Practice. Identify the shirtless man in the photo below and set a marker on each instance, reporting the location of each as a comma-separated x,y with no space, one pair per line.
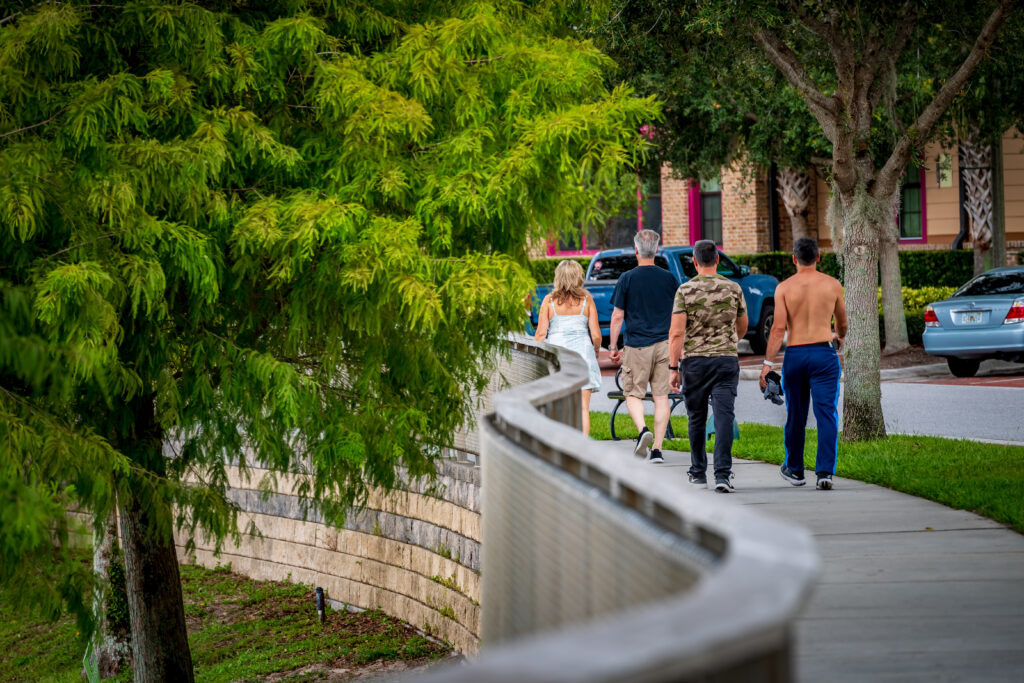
805,306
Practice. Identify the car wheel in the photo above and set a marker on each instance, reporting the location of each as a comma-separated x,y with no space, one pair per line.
759,340
963,367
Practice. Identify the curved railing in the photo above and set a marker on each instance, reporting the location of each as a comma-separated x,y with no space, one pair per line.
596,567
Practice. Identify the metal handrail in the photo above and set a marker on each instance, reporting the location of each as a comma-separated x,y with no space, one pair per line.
733,623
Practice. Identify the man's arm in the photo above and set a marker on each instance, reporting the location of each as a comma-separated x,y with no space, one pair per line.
777,334
741,326
841,323
618,315
676,340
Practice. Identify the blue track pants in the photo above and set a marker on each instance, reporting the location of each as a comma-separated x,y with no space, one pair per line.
810,376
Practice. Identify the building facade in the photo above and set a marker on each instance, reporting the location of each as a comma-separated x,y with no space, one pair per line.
742,211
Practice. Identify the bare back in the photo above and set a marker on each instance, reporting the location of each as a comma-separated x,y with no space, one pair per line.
806,303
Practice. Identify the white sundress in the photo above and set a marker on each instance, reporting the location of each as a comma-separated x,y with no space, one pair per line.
573,332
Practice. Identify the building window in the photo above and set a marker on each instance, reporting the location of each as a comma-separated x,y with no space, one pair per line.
711,211
650,219
911,216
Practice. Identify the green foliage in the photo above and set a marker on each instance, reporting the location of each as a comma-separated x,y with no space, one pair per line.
947,268
1020,258
117,598
284,234
967,475
723,101
919,269
543,269
780,263
230,617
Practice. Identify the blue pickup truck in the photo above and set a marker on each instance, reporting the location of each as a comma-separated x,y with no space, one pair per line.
606,267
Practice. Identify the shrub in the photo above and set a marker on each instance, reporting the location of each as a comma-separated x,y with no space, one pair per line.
543,269
914,302
936,268
918,269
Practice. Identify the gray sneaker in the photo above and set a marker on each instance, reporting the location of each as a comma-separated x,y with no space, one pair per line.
724,484
643,443
825,482
697,479
792,477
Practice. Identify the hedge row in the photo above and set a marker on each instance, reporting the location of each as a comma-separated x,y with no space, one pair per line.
543,269
917,268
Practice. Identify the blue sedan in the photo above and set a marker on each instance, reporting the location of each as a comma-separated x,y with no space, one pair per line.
983,319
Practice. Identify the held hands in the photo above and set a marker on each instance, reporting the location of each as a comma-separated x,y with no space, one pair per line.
615,356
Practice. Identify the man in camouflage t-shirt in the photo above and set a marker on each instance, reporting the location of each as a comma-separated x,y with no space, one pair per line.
708,319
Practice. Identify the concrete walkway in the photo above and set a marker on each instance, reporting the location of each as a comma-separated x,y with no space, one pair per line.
910,590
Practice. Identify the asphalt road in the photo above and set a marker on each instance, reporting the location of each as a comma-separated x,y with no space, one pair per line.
983,412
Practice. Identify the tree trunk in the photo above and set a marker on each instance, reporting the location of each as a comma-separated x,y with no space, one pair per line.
862,399
111,650
795,190
896,338
976,174
160,650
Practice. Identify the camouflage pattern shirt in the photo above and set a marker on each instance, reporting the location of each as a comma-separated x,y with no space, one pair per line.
711,304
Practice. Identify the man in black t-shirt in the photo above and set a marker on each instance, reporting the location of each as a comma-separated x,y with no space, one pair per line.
643,298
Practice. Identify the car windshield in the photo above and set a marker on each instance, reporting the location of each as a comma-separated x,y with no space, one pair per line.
994,283
725,266
612,267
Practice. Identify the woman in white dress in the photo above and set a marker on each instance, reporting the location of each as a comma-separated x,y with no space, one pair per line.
568,319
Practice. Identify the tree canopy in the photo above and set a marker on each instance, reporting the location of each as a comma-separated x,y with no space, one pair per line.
281,234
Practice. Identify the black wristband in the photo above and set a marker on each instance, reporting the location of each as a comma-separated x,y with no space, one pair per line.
673,367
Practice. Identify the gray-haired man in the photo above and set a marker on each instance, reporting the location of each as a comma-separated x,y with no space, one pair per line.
643,300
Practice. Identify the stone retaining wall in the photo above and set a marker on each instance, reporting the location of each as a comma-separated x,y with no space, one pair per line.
414,553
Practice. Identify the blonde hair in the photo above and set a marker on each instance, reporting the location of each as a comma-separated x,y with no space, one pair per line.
568,282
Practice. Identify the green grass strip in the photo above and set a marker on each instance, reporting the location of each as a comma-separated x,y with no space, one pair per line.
239,630
984,478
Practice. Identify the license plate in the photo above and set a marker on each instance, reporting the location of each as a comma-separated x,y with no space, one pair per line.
971,318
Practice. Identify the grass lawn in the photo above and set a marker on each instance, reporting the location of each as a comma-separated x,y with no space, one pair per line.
239,630
983,478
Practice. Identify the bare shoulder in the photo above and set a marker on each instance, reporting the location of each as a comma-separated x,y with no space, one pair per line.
832,282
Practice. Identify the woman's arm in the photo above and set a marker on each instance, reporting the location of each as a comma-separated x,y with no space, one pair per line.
595,327
543,317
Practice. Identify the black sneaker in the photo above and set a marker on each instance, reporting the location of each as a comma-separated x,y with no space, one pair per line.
724,484
655,457
825,481
697,479
792,477
643,443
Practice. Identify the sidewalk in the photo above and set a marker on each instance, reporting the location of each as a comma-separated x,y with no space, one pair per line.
910,590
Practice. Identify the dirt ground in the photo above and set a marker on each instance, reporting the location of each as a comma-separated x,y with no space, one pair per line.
915,355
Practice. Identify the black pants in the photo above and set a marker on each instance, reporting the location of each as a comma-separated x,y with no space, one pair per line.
712,379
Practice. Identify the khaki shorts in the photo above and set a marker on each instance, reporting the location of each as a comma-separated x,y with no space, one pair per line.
645,365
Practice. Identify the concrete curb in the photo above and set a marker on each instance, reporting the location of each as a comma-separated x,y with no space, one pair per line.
895,374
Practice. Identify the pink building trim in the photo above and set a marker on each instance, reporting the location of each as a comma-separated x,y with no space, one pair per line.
693,207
